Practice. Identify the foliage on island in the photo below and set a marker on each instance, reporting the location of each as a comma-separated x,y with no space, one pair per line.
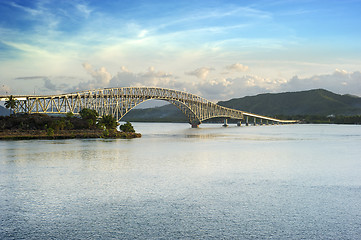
127,127
44,126
11,103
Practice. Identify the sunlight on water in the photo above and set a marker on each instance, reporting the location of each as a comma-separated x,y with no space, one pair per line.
279,182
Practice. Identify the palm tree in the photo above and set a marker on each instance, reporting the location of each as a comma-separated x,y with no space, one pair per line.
11,103
109,122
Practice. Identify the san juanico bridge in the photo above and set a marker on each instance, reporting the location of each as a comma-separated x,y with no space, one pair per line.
119,101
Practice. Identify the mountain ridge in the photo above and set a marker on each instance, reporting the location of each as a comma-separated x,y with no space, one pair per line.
309,102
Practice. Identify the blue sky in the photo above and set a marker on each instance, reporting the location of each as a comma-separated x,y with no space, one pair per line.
216,49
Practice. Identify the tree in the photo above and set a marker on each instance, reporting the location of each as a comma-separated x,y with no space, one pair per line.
109,122
69,115
127,127
89,115
11,103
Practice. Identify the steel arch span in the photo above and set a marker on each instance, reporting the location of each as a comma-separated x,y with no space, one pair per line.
119,101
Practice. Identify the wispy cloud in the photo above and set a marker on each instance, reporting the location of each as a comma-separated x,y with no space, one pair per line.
31,11
84,9
31,78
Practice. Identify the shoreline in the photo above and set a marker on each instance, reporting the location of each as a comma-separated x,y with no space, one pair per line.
65,134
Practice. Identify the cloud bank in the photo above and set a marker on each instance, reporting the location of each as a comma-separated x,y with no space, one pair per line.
218,87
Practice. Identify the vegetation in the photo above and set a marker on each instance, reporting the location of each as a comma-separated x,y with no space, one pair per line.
90,116
127,127
29,126
108,121
11,103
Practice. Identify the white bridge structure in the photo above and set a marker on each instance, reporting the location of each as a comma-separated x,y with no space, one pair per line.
119,101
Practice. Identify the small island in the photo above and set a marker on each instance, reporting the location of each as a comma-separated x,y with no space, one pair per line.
43,126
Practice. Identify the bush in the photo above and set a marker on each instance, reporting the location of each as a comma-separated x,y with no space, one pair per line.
90,116
69,115
50,132
127,127
108,121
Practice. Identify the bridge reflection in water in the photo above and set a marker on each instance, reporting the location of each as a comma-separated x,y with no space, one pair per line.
119,101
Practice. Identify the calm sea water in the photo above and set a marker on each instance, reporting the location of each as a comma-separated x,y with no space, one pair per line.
264,182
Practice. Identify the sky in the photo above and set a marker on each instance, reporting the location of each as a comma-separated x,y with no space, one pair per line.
215,49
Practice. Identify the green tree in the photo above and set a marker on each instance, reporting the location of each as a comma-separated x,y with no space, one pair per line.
108,121
69,115
127,127
11,103
90,116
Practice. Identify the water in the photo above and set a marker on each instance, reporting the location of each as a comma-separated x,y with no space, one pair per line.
264,182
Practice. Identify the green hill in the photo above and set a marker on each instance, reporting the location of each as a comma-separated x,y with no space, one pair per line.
167,113
312,102
4,111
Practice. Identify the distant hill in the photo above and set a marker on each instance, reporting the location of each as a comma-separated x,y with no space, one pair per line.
167,113
4,111
312,102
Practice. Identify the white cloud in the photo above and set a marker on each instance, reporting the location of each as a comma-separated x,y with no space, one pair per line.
201,73
101,76
150,78
237,67
215,89
340,81
226,88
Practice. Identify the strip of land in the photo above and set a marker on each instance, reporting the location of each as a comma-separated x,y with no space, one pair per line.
42,126
64,134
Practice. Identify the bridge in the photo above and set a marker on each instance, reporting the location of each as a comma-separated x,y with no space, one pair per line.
119,101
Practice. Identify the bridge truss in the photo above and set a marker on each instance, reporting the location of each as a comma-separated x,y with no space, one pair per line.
119,101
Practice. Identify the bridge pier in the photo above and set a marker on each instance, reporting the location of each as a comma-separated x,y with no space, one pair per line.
225,123
247,121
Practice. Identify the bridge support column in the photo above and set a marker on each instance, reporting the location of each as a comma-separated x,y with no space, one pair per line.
225,123
254,121
194,125
247,121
